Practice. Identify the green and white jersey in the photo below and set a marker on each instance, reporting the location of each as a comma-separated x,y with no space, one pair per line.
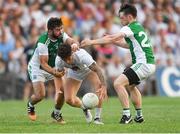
139,43
46,46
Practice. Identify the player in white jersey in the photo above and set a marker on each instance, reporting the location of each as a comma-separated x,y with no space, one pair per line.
132,36
41,67
80,66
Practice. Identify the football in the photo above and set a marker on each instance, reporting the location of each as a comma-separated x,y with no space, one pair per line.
90,100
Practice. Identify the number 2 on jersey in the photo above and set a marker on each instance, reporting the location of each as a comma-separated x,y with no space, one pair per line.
144,42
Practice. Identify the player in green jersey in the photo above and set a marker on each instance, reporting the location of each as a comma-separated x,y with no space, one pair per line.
41,67
132,36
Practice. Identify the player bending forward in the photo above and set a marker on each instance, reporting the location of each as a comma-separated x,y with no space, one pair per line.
81,66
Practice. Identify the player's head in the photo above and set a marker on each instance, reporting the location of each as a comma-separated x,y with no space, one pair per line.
65,52
127,13
55,27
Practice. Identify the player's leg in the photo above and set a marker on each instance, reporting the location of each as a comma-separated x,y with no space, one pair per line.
50,89
57,83
119,85
95,82
70,91
39,94
137,102
139,71
27,90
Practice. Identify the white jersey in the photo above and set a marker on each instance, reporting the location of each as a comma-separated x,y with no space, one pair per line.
80,66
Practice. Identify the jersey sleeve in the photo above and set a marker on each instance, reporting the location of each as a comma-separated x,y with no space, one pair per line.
85,58
127,31
59,64
65,36
42,48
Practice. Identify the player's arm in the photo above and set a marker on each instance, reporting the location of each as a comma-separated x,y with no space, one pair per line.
117,39
43,58
49,69
104,40
103,90
86,59
71,41
44,64
68,40
94,67
121,43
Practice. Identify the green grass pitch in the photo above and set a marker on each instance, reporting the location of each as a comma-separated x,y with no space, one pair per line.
162,115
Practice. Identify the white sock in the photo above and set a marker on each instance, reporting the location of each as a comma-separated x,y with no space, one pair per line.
57,111
98,112
126,112
139,112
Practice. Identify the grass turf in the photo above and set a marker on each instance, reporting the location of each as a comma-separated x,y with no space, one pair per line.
162,115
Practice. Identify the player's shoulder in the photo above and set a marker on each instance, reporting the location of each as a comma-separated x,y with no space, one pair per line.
59,60
135,25
43,38
81,52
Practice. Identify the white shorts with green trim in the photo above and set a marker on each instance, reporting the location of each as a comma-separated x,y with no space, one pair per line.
143,70
37,74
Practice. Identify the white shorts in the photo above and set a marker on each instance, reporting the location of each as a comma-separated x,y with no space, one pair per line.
37,74
77,75
142,70
138,72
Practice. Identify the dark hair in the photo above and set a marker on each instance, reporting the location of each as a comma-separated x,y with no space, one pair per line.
54,22
128,9
64,51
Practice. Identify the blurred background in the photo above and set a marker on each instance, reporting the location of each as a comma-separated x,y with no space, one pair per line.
22,21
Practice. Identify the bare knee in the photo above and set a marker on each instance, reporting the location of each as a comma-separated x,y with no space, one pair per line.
117,84
39,97
121,82
69,101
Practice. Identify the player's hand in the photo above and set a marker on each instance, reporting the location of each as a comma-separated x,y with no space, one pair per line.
85,42
75,47
102,92
58,73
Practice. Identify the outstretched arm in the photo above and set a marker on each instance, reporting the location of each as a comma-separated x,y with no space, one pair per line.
121,43
117,39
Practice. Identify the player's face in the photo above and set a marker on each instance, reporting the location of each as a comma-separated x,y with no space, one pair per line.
57,32
124,18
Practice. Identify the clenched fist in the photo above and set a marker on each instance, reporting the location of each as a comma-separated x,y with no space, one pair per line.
74,47
58,73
